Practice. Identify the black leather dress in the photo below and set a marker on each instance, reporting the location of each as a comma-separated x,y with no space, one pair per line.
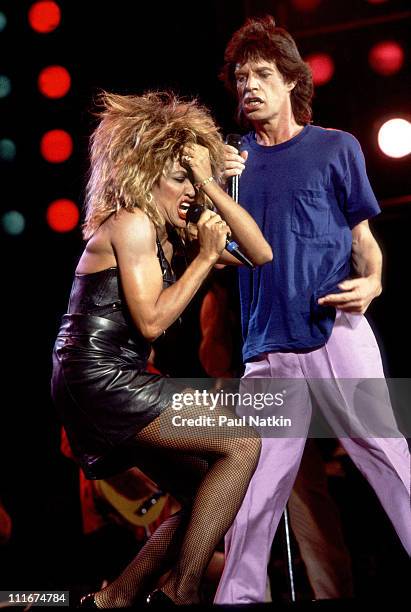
99,383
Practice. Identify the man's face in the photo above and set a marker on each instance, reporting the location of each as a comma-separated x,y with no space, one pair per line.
262,92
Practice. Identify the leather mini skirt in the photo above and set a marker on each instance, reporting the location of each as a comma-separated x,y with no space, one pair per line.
101,389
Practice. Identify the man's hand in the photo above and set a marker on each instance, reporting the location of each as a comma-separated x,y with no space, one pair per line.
234,163
357,294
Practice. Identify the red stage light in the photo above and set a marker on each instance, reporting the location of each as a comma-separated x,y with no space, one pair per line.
322,67
56,146
44,16
63,215
386,57
376,1
306,5
54,81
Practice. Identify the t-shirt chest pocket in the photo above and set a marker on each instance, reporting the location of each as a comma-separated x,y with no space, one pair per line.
310,215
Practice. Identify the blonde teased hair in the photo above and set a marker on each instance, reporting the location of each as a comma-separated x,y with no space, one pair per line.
137,137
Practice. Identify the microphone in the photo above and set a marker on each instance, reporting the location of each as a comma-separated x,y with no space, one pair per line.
235,141
192,216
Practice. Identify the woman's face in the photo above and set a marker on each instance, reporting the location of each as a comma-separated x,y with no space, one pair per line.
173,194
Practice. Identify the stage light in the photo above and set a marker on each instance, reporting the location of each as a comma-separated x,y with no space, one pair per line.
306,5
322,67
54,81
13,222
7,149
386,57
56,146
5,86
376,1
394,138
3,21
63,215
44,17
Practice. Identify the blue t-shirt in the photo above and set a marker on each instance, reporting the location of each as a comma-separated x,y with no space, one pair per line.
306,195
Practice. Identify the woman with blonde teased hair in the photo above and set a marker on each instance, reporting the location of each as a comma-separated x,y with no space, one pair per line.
151,155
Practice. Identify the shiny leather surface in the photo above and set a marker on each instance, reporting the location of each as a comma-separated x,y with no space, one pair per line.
100,293
100,387
99,384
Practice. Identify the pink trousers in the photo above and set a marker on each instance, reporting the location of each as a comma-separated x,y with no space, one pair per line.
350,353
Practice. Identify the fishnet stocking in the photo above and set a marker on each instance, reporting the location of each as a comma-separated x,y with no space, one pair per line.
234,453
154,558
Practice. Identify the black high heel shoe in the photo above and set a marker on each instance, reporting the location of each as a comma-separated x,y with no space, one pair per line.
88,601
159,598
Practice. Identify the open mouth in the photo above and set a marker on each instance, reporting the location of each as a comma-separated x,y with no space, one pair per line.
251,104
182,210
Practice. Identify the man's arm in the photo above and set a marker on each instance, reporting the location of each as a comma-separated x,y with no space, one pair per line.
358,293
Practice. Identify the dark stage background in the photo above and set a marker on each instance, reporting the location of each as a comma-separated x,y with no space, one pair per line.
128,47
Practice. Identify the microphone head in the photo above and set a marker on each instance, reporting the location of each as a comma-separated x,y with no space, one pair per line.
194,213
234,140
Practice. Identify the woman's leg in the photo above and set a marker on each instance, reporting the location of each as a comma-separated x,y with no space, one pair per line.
233,453
180,475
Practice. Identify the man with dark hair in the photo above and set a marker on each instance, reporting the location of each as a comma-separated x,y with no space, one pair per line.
303,313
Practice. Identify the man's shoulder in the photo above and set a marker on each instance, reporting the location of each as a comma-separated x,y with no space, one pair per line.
334,137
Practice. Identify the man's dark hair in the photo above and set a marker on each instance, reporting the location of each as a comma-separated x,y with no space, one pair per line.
260,39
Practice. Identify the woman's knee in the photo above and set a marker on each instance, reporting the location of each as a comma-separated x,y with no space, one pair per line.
246,447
